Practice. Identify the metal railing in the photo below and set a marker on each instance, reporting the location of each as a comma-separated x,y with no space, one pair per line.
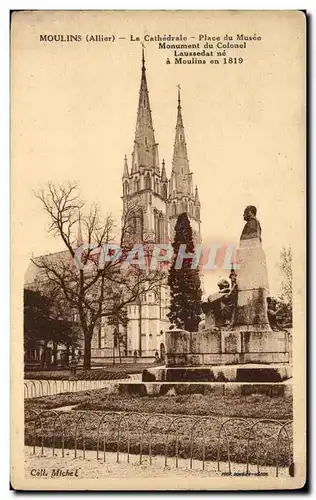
71,427
38,388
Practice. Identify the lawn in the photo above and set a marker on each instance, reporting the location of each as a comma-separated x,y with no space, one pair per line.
249,408
106,373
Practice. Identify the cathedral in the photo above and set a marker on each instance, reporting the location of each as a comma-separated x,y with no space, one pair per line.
159,200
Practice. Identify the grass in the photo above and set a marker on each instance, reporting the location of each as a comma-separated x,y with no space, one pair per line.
250,408
108,373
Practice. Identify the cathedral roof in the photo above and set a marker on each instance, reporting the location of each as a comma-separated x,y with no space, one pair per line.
34,273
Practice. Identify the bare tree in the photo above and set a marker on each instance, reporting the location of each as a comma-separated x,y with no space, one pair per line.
94,285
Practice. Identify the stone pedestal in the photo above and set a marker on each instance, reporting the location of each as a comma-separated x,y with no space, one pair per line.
242,349
253,287
224,356
226,347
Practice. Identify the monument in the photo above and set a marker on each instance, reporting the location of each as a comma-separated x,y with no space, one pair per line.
235,342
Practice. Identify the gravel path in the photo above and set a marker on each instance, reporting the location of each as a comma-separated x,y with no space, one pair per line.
46,466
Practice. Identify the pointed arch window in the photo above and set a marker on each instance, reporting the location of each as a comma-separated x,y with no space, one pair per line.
140,226
156,226
136,185
133,224
161,231
164,191
148,181
159,227
126,188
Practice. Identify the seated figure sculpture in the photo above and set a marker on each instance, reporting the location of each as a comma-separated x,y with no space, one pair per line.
220,307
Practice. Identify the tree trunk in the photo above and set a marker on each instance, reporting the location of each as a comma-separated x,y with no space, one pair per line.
119,351
55,353
87,353
67,355
140,328
44,356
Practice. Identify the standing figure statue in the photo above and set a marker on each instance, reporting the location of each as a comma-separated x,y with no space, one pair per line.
253,286
230,300
272,314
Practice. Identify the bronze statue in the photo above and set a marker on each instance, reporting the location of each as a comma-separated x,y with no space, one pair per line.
252,228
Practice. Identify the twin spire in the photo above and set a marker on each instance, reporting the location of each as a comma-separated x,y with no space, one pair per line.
180,161
145,151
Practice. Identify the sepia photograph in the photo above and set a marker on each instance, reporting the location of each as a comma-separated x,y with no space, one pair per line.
158,170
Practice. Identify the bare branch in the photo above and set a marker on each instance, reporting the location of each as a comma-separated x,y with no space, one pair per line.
94,291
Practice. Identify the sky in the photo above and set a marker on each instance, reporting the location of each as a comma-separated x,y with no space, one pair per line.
74,113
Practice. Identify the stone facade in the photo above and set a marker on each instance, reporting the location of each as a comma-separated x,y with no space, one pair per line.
159,201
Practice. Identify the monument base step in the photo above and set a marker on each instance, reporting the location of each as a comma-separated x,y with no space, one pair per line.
252,373
278,389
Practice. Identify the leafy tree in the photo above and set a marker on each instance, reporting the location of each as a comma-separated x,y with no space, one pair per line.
119,320
286,294
185,284
42,322
287,278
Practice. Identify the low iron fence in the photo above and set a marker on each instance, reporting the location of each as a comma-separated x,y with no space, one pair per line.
198,439
39,388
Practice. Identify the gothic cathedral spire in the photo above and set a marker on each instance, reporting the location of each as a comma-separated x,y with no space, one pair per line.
181,196
144,185
180,162
145,153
